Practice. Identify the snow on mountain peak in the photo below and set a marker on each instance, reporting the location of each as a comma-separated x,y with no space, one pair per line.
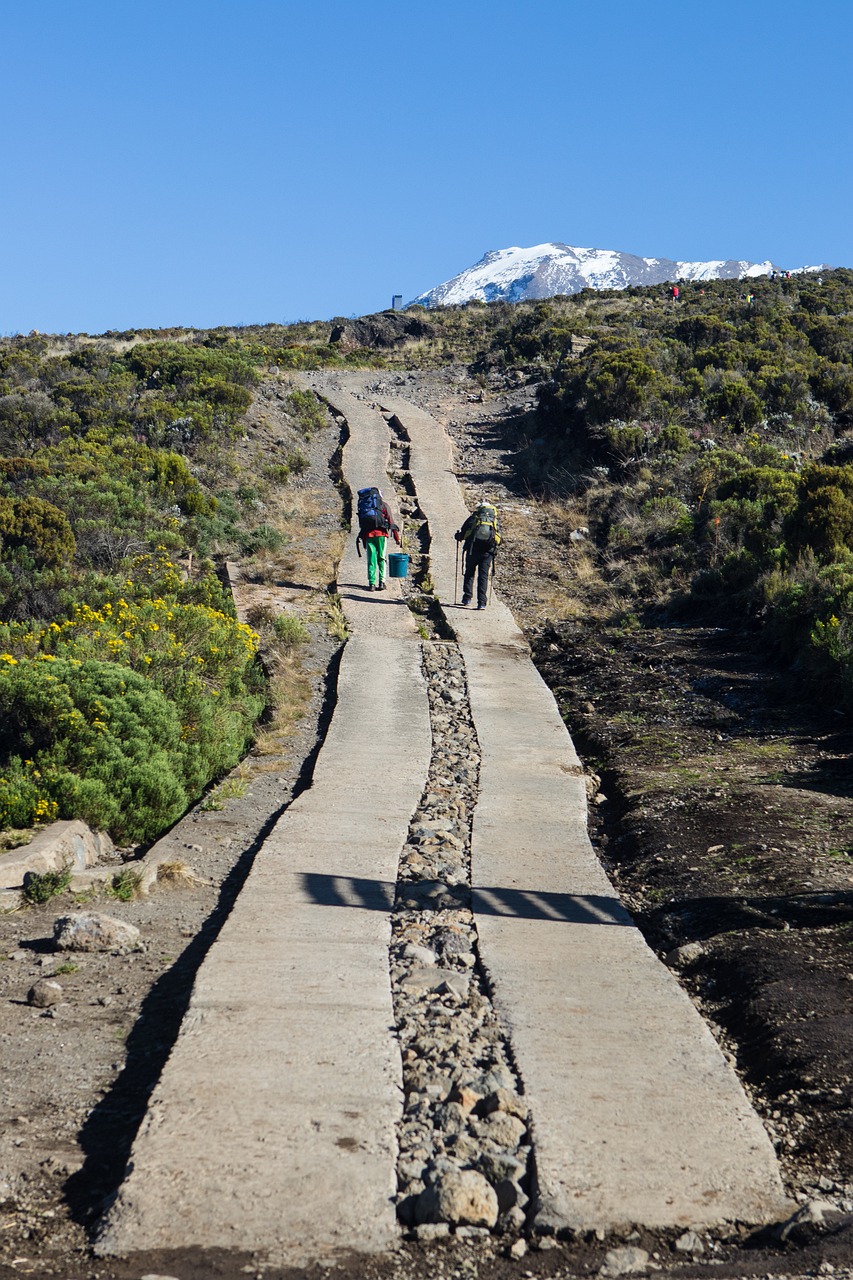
517,274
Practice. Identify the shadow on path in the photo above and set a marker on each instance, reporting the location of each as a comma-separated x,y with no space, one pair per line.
423,895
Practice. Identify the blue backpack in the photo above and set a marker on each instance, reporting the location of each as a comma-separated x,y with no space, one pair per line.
370,514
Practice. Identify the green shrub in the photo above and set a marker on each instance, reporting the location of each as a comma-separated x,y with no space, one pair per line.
674,438
39,889
105,745
307,410
669,516
823,518
753,506
37,527
265,537
24,799
736,401
626,443
124,743
125,884
277,473
289,630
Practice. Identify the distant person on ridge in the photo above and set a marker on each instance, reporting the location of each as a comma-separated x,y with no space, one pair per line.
375,522
480,538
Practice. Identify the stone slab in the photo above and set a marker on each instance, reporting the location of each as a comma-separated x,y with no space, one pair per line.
61,844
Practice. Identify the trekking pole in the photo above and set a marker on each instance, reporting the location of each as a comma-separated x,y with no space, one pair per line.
456,579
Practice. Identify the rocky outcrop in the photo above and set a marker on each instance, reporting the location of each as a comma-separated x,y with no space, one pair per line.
383,331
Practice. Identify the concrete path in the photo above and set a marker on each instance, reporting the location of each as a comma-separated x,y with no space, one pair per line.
637,1116
272,1127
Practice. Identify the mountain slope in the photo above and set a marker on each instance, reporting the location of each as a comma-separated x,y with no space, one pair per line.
517,274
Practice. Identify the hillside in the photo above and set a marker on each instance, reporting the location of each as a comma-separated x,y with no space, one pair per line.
127,480
676,489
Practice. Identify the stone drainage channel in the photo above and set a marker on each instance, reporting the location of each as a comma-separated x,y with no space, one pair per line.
464,1159
465,1163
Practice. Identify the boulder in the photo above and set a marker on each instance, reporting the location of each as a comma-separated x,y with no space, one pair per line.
497,1166
684,956
690,1242
44,994
434,979
461,1197
423,955
502,1129
625,1261
91,931
505,1100
467,1097
806,1222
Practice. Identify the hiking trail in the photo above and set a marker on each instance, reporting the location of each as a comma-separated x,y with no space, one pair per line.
278,1125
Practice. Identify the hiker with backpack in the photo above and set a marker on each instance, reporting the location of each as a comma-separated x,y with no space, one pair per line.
480,539
375,522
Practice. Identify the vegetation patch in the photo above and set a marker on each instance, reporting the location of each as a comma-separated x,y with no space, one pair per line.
40,888
126,682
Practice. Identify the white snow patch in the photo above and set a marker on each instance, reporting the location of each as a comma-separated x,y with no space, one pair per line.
543,269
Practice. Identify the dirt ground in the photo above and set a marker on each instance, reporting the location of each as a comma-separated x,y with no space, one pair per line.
724,814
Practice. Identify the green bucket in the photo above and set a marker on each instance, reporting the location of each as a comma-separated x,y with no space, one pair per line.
398,564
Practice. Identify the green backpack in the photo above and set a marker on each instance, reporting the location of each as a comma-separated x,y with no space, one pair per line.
486,523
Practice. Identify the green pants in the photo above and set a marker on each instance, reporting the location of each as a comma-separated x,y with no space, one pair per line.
375,548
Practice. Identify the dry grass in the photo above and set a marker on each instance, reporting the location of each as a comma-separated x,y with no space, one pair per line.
291,583
177,872
311,560
290,690
561,518
563,579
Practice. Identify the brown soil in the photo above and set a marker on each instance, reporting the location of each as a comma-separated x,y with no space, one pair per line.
724,815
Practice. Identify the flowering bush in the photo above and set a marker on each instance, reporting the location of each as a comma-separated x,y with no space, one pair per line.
126,683
121,714
101,744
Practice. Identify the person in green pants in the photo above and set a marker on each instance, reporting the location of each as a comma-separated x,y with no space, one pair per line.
374,526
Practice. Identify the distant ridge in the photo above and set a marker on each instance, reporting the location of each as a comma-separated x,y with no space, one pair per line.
515,274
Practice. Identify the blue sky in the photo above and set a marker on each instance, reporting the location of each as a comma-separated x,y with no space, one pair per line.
241,161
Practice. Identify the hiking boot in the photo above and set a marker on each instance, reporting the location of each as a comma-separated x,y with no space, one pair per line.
382,587
370,586
466,600
480,606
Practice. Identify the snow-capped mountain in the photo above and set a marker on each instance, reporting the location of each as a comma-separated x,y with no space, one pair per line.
545,269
